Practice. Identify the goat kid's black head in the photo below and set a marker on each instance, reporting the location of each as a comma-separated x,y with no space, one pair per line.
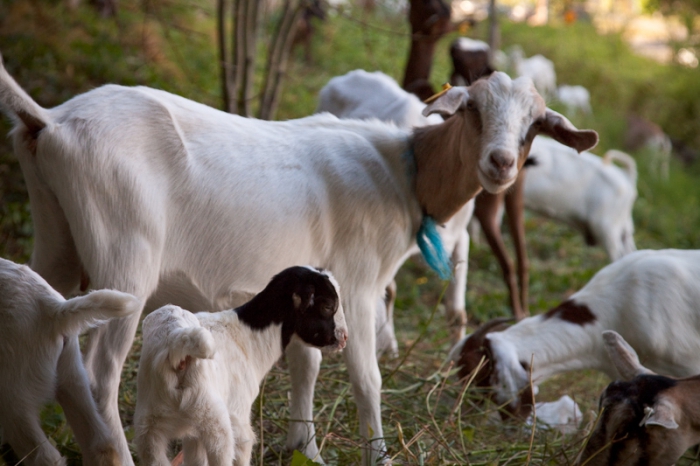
306,301
636,425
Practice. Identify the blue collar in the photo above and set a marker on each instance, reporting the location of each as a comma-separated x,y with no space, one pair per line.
428,237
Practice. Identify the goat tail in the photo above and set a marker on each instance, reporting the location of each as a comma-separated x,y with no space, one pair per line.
75,314
190,342
19,106
628,164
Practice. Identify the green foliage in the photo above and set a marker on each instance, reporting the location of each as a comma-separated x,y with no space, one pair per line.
55,54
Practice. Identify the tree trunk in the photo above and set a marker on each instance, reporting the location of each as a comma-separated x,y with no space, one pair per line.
277,59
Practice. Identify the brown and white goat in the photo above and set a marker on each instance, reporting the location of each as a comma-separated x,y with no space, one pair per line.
648,296
644,419
144,190
471,61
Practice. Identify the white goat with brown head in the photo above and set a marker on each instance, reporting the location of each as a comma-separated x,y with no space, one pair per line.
145,191
647,296
644,418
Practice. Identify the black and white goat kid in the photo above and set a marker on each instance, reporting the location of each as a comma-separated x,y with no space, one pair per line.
200,373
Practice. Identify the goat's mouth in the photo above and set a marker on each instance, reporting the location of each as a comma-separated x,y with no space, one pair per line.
494,184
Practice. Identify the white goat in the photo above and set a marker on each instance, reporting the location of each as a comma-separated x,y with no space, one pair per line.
363,95
649,297
538,68
575,98
586,191
145,191
645,418
40,360
200,373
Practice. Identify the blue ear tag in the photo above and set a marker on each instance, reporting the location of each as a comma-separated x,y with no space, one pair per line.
431,247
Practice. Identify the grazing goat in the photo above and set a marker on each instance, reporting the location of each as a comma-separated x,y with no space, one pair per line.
145,191
200,373
362,95
650,297
40,360
575,98
586,191
645,418
645,135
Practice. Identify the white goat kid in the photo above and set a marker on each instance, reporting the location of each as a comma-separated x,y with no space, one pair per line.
649,297
143,190
200,373
40,360
363,95
588,192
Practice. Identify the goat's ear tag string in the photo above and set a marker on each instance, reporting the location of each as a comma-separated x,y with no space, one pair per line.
445,87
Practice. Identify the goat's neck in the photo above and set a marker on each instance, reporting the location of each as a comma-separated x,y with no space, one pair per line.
262,346
557,346
447,157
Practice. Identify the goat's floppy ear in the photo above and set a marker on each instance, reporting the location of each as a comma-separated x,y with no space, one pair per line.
623,356
662,414
303,299
447,104
558,127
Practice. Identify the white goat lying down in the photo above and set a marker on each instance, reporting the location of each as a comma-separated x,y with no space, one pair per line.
200,373
363,95
649,297
588,192
145,191
40,360
645,418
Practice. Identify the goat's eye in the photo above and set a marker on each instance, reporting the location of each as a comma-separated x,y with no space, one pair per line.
327,310
471,106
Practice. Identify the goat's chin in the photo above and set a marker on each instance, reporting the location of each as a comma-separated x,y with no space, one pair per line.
337,348
494,185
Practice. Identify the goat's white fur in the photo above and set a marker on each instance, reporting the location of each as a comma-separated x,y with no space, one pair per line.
374,95
586,191
648,297
146,191
575,98
538,68
199,375
40,360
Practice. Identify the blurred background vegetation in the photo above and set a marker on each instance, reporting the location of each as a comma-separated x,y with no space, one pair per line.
56,51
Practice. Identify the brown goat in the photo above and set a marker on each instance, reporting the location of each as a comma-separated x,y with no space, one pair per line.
430,20
645,418
471,61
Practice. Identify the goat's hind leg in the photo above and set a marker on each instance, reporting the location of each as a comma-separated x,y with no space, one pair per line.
74,396
22,430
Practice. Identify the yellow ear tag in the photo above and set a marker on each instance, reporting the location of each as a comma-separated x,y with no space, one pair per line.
445,87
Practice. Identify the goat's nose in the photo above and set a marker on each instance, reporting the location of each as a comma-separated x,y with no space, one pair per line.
501,160
342,336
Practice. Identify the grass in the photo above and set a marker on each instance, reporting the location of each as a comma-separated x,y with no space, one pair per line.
429,418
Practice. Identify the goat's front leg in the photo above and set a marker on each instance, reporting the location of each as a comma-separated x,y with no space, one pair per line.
366,380
73,394
304,363
455,304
